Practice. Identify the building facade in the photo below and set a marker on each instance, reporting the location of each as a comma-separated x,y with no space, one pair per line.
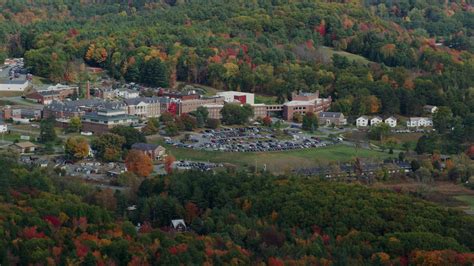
104,120
332,118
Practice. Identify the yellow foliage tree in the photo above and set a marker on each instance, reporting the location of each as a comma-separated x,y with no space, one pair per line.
77,148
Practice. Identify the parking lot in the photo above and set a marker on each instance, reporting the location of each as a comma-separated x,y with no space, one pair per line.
192,165
249,139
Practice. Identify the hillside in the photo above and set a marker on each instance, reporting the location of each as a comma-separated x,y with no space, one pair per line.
232,218
265,47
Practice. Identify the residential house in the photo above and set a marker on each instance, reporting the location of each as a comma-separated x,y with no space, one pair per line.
24,147
419,122
376,120
430,109
154,151
391,121
332,118
362,121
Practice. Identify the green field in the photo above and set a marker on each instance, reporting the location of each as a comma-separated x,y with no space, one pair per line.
277,162
10,93
351,57
468,199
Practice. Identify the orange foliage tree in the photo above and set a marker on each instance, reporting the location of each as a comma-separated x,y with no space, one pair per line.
169,160
139,163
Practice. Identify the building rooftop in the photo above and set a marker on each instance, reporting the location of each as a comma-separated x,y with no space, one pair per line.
135,101
14,81
94,116
331,114
25,144
145,146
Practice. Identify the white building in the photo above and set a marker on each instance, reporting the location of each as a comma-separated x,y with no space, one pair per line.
362,121
127,94
376,120
14,85
431,109
3,128
419,122
243,97
391,121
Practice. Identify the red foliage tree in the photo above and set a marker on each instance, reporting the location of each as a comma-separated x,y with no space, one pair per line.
275,262
30,233
169,160
53,220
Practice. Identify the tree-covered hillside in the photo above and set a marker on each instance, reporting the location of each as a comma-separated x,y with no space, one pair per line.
262,46
420,52
233,218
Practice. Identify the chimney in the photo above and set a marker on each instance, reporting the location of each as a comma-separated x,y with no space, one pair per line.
88,90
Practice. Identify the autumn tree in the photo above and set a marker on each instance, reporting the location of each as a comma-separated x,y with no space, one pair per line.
310,122
74,125
139,163
77,148
169,160
108,146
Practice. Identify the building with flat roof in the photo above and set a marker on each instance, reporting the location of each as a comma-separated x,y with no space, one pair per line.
233,96
303,103
104,120
14,85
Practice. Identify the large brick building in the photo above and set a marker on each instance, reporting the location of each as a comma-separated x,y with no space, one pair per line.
144,107
303,103
106,119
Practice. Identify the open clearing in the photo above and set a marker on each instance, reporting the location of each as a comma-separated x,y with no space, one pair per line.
351,57
276,162
441,192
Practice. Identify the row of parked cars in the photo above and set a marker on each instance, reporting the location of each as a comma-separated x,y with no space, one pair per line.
200,166
248,139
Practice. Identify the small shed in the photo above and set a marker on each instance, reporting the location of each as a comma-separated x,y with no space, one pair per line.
24,147
178,225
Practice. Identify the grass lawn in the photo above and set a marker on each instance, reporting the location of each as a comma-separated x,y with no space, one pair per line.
468,199
277,162
265,99
352,57
39,81
10,93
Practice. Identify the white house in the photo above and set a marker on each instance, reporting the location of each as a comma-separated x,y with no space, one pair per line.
3,128
362,121
430,109
419,122
391,121
376,120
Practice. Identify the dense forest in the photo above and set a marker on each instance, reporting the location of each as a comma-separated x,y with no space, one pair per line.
232,218
414,52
